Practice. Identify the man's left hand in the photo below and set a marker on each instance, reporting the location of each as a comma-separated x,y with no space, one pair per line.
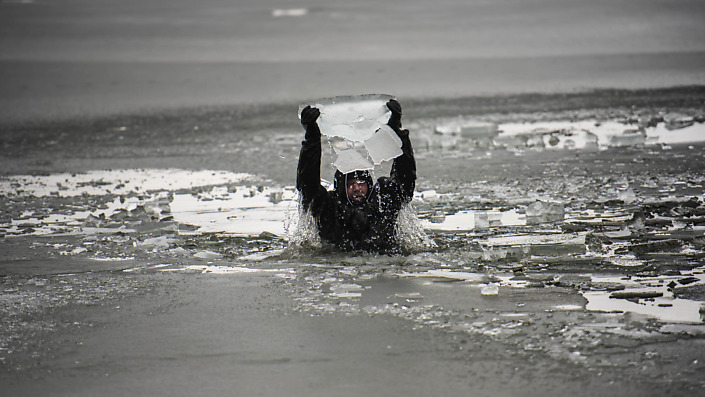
395,107
395,119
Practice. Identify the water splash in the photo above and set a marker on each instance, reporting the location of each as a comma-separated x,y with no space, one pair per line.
300,226
409,231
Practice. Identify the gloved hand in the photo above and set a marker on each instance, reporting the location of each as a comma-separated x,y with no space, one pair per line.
395,118
309,115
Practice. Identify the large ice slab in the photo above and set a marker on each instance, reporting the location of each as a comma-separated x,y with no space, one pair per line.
355,118
594,134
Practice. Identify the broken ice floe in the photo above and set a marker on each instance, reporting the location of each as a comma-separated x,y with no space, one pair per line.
248,210
118,182
592,134
563,135
534,213
189,202
650,296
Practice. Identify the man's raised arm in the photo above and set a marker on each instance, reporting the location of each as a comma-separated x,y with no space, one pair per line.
404,166
308,174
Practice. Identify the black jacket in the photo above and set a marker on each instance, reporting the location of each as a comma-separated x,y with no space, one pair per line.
369,226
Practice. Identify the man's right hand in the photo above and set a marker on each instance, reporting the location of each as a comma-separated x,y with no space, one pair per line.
309,115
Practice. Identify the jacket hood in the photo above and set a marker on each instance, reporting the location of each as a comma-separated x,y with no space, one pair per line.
340,181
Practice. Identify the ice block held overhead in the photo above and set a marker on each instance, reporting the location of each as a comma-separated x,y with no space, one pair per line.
358,119
355,118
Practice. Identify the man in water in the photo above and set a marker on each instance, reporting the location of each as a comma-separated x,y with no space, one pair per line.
357,214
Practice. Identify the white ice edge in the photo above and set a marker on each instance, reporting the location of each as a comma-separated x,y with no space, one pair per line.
118,182
605,132
214,269
665,308
225,207
678,311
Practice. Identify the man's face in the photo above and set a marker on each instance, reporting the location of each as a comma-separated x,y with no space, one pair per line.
356,190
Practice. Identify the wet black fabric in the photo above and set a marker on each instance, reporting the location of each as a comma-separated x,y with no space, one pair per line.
369,226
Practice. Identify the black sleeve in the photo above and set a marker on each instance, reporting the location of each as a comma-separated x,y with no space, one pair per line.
404,167
308,173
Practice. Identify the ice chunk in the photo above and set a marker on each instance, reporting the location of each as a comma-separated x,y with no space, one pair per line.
627,196
355,118
161,242
630,137
384,145
482,221
490,289
350,160
541,212
662,134
206,254
674,121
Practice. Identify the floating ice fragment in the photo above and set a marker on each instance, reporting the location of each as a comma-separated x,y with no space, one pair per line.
161,242
428,195
664,135
629,137
567,307
350,160
627,196
223,269
540,212
384,145
206,254
409,296
482,220
452,275
490,289
674,121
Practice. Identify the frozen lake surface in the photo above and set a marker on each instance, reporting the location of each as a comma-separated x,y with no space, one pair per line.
479,233
563,237
555,243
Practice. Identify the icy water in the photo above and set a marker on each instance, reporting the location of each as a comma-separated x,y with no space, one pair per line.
562,237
